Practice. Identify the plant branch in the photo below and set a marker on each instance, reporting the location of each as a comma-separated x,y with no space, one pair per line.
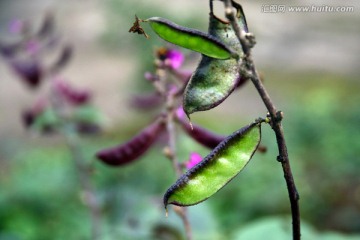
68,131
182,212
248,67
173,157
84,172
170,150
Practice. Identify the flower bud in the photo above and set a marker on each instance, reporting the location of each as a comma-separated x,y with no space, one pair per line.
29,71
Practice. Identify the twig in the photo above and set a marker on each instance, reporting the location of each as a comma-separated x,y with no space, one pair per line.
171,148
72,140
84,170
276,117
172,156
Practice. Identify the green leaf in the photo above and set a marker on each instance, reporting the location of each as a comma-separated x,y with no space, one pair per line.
216,169
47,119
214,80
190,38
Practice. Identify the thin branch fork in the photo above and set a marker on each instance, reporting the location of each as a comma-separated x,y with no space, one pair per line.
276,117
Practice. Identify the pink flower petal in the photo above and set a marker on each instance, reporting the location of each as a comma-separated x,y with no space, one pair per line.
32,47
175,57
16,26
180,113
195,158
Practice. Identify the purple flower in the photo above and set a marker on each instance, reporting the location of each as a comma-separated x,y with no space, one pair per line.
32,47
195,158
180,113
16,26
174,58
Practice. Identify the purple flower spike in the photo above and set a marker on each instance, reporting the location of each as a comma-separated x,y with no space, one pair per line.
175,58
195,158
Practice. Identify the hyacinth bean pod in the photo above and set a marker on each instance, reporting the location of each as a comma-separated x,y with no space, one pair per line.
216,169
201,135
134,148
190,38
214,80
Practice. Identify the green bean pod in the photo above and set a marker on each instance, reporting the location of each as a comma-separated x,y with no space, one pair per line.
214,80
216,169
190,38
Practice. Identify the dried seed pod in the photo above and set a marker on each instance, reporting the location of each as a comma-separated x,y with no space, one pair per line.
134,148
190,38
136,28
214,80
216,169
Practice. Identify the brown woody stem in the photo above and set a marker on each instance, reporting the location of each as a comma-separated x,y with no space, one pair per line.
248,67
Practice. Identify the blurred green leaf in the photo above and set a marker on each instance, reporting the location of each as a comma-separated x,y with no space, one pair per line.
47,120
87,114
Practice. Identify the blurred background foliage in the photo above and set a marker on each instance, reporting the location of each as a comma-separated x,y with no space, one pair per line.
310,63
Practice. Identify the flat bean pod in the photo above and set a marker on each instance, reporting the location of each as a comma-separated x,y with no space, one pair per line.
216,169
134,148
201,135
190,38
214,80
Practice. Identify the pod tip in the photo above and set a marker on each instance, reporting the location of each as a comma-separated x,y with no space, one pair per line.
191,126
188,116
166,212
